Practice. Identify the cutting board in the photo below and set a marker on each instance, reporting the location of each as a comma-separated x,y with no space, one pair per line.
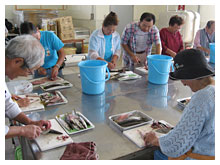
141,70
50,141
128,75
135,136
35,103
46,80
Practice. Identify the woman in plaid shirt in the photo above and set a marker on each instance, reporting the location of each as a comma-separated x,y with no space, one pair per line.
137,39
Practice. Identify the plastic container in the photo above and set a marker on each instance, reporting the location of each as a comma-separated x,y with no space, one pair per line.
135,113
159,68
212,53
92,74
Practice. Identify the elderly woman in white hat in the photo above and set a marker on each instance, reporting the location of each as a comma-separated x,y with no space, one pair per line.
194,136
23,55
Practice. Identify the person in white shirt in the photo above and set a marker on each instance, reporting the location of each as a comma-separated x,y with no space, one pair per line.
23,55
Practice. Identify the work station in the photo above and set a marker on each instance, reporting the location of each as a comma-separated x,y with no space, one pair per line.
89,82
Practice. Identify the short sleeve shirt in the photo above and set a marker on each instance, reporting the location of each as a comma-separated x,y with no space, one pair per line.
51,44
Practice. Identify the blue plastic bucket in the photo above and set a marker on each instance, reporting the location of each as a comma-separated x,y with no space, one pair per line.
212,52
159,68
92,74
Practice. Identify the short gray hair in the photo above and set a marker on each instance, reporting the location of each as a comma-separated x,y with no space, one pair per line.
28,48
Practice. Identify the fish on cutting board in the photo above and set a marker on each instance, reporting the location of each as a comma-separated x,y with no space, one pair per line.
49,141
136,135
52,98
43,80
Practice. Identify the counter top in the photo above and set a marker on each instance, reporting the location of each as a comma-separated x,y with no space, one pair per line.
157,101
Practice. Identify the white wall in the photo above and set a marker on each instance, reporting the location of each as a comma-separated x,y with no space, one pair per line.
9,12
82,13
207,12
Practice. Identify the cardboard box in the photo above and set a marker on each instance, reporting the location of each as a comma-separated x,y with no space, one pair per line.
52,28
65,28
64,25
64,20
66,36
69,50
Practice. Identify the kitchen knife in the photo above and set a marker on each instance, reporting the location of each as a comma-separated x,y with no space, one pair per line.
52,131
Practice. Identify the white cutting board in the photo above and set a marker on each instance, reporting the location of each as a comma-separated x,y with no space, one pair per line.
50,141
141,70
35,103
59,79
135,136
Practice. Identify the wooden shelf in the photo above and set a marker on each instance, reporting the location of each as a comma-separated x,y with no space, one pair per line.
62,7
74,41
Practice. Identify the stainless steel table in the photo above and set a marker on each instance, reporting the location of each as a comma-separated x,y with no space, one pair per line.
157,101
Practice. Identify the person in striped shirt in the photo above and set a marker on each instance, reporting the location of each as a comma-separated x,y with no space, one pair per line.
137,40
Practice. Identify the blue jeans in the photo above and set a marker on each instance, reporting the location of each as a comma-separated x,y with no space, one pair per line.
158,155
36,75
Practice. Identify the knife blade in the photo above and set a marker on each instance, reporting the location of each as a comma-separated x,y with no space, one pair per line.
52,131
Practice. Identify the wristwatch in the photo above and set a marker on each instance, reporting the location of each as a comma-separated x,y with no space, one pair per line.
57,65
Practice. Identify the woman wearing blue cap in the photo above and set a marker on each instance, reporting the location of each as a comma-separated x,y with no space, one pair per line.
194,136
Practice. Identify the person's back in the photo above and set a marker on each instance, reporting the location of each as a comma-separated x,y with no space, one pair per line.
194,135
196,126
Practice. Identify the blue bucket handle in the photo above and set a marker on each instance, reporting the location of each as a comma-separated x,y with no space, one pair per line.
172,66
158,70
98,82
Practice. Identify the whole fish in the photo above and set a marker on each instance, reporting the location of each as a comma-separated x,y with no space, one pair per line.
67,120
77,122
74,120
83,122
53,85
132,120
64,123
71,122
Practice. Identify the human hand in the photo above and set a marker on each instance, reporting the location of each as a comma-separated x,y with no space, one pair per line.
30,131
113,62
54,73
43,124
23,102
208,51
42,71
173,54
111,65
15,97
151,139
135,59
